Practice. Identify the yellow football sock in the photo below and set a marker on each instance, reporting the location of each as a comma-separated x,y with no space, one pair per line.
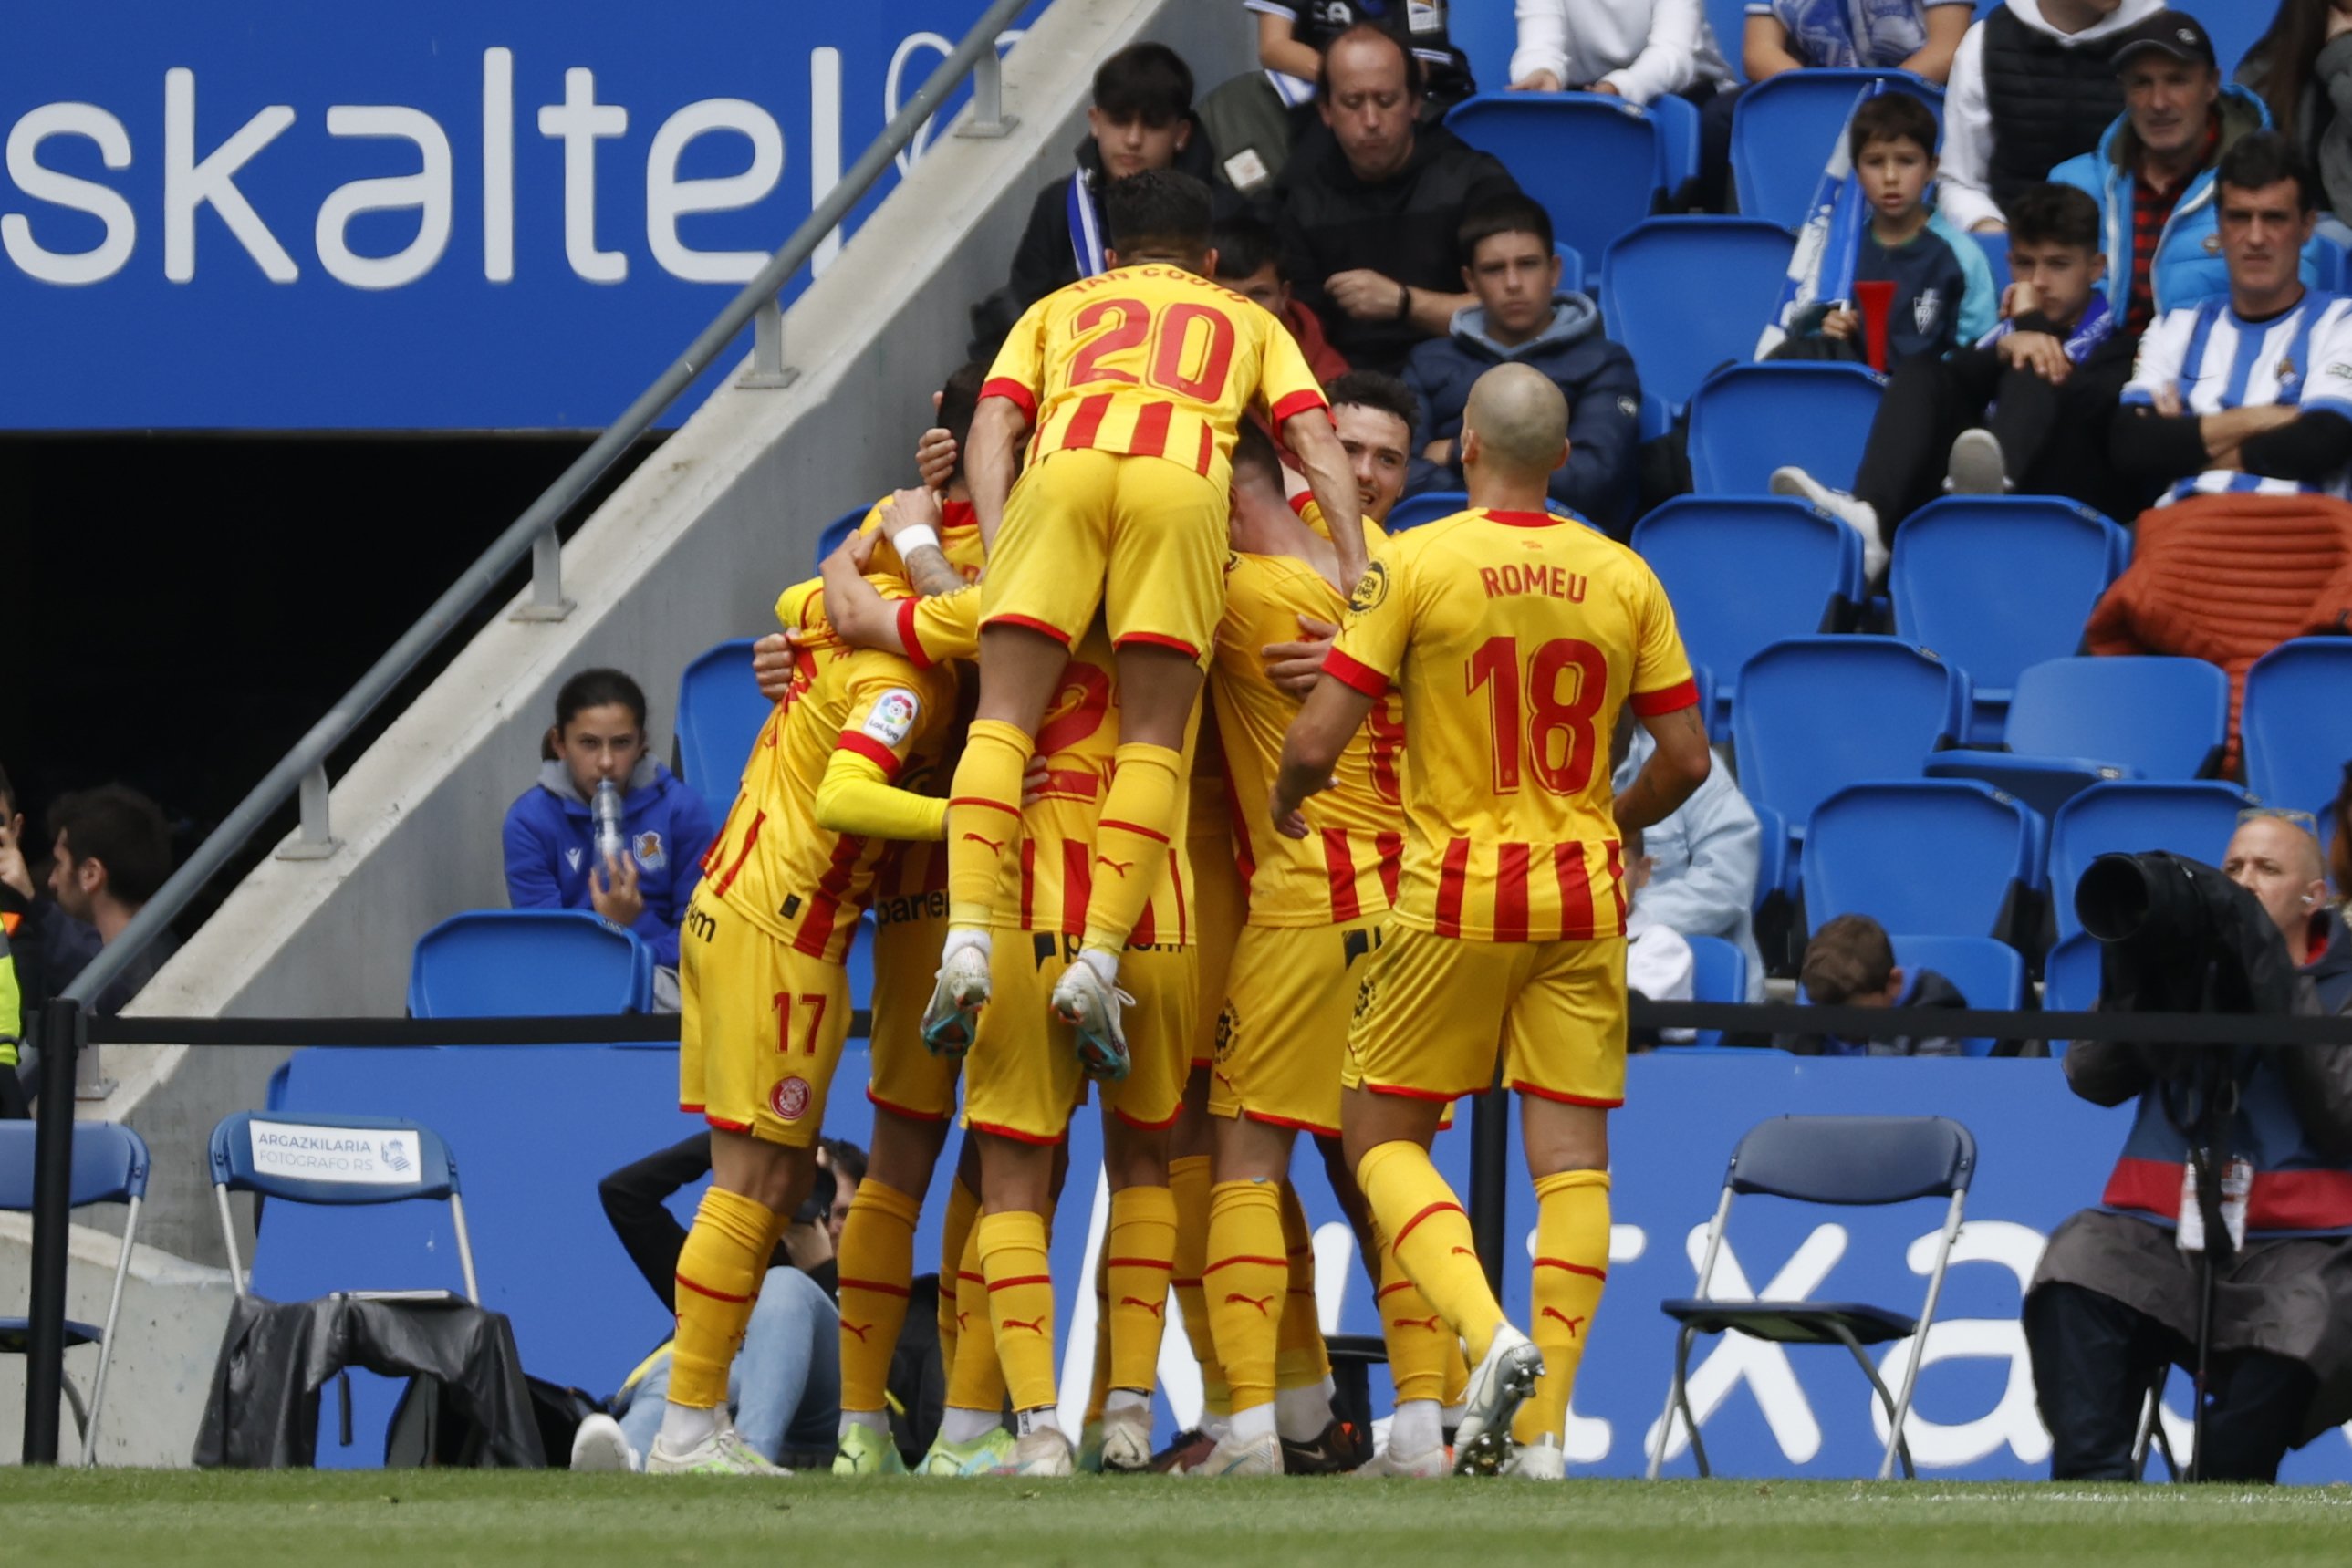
1189,1182
1138,812
1098,1382
718,1274
1246,1280
1140,1246
984,817
955,1230
1431,1236
1020,1303
1419,1342
1571,1266
878,1270
1301,1360
975,1377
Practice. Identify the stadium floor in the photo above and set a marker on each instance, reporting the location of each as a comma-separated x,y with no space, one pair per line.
192,1519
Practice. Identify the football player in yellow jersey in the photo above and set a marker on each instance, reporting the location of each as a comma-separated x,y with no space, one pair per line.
1135,382
766,995
1515,637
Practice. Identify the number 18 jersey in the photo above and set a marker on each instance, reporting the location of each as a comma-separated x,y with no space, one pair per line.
1517,637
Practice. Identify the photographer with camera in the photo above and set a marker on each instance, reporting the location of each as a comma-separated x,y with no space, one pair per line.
2239,1161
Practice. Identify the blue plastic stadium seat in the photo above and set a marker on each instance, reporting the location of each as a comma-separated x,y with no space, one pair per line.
1817,714
1718,974
1727,20
2069,977
1744,572
1572,267
1595,163
1995,247
507,963
1748,420
2233,26
829,538
1787,126
2084,721
1988,973
1426,507
1486,35
1686,296
2194,818
1924,857
719,712
1996,582
2297,724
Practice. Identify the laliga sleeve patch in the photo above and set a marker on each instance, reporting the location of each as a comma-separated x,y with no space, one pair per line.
894,716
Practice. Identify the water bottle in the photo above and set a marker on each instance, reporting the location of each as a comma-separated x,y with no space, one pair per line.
610,844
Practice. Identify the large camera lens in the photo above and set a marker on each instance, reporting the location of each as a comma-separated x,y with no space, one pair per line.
2114,897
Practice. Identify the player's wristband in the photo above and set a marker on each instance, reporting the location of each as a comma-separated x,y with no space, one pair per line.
914,537
1404,300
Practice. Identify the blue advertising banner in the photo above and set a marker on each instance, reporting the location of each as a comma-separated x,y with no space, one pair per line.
437,215
534,1129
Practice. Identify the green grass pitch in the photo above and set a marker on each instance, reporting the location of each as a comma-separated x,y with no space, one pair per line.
429,1520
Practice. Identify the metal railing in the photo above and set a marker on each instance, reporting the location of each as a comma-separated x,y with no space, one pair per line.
304,769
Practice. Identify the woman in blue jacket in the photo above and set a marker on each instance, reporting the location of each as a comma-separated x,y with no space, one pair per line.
551,831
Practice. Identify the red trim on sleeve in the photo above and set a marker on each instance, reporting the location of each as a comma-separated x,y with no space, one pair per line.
858,743
1296,403
1013,392
1356,677
1672,699
912,644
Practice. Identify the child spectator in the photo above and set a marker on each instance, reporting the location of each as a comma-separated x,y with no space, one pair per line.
1851,963
1249,262
1522,314
1943,286
551,831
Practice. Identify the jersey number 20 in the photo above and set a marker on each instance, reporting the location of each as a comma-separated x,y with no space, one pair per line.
1164,365
1535,728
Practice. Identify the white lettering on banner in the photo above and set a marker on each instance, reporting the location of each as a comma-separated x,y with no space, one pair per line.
825,146
428,191
497,165
377,1157
912,152
1763,1365
579,122
190,184
103,202
2014,1420
667,197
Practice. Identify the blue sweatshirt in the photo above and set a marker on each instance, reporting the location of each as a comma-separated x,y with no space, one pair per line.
550,844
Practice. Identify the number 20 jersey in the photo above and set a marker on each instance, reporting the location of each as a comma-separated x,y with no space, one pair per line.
1517,637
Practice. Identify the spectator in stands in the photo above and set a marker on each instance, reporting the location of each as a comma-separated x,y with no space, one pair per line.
847,1163
1293,35
1524,315
1141,118
1703,856
2303,68
2026,409
1916,35
49,947
2116,1298
1943,284
2152,173
1249,262
1659,966
111,851
551,830
1851,963
1371,207
2034,85
2250,393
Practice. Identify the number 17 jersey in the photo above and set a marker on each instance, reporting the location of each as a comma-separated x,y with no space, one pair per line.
1517,639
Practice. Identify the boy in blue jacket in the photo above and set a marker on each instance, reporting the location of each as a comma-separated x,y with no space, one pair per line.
551,831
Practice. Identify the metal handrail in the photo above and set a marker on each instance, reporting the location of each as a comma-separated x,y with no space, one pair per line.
538,521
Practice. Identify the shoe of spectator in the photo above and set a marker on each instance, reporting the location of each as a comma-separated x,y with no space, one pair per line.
1859,516
1975,468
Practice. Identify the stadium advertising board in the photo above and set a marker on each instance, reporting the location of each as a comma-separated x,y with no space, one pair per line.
266,214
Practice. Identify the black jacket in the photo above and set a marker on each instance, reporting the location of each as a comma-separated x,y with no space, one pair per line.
636,1202
1405,227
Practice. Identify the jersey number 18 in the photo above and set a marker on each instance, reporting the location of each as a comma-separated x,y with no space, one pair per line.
1532,727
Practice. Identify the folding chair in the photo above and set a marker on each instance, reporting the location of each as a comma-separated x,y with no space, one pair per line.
110,1165
313,1157
1849,1161
512,963
719,712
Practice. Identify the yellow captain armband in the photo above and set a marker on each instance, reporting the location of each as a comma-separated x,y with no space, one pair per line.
857,797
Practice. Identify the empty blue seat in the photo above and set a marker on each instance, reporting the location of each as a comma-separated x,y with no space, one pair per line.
2069,977
1924,857
2079,722
829,538
1996,582
1817,714
720,713
1718,974
2193,816
1686,296
1787,126
1744,572
1426,507
1989,974
507,963
1596,162
1748,420
2297,724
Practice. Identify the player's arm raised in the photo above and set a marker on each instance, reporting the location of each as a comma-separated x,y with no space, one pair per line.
1327,721
1310,436
1679,764
992,459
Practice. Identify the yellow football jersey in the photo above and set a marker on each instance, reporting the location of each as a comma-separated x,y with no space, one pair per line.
1150,362
958,540
1516,638
1347,866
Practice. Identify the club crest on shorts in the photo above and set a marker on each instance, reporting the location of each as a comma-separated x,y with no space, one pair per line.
790,1099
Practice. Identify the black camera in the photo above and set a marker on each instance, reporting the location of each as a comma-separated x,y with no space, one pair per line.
2176,935
817,1206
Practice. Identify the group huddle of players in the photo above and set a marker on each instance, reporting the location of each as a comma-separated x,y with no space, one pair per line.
1336,914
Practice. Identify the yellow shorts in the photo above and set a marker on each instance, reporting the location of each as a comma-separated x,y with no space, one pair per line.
1142,537
1433,1011
1284,1028
1220,910
907,1078
1022,1078
762,1027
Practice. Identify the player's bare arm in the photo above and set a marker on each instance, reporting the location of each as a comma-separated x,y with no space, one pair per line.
1679,764
998,428
928,571
1328,719
1311,437
1297,666
857,612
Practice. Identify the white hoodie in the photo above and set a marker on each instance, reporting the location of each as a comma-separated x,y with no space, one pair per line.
1644,48
1964,176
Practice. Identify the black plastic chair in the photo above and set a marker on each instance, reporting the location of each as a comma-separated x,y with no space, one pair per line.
1850,1161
